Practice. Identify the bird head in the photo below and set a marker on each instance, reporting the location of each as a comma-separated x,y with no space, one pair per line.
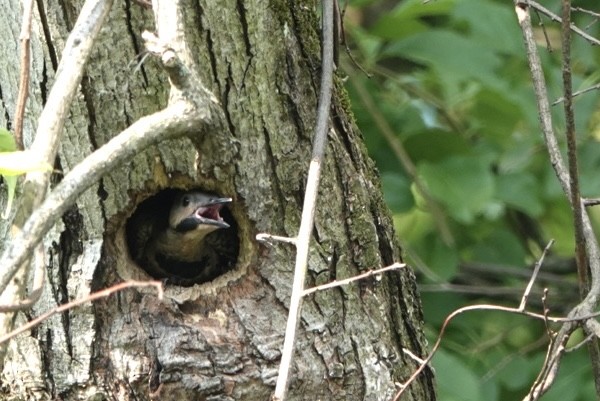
197,211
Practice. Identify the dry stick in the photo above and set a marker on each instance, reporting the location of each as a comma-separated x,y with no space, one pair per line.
339,283
580,255
520,310
579,92
45,144
308,208
591,244
538,7
576,206
92,297
551,141
536,270
583,10
174,121
51,122
591,202
24,37
184,116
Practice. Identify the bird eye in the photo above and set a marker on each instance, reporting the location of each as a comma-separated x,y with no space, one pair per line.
185,201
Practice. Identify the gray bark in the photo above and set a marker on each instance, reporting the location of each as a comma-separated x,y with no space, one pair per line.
219,340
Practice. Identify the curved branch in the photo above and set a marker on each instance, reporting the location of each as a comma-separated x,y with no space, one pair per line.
176,120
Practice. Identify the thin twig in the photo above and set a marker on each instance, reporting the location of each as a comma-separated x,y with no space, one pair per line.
536,269
90,298
339,283
592,249
580,92
591,202
24,74
537,6
264,237
308,208
588,12
520,310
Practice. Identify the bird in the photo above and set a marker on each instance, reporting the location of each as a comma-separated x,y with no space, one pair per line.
181,237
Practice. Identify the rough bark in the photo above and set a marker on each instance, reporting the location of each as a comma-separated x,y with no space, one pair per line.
219,340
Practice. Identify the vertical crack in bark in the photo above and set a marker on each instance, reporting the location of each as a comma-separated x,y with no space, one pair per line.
68,13
70,249
275,177
226,93
342,127
209,45
134,39
86,92
6,114
361,375
47,36
384,241
46,360
44,82
246,37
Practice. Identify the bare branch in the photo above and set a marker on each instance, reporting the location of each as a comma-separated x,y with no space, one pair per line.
174,121
92,297
538,7
339,283
580,92
24,74
536,269
310,196
264,237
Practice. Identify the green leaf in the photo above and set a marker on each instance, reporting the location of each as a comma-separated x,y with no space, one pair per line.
521,191
435,145
7,141
396,189
456,381
454,57
463,183
441,258
500,246
485,20
21,162
517,373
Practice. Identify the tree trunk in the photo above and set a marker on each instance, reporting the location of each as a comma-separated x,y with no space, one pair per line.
218,340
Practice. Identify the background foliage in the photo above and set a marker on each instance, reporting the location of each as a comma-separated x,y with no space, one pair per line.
450,118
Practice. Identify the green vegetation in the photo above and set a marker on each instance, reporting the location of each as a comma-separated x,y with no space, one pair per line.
450,118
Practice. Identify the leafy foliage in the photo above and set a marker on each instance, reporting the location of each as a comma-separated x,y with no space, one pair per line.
450,118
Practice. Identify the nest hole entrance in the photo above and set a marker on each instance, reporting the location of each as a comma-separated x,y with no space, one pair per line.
183,237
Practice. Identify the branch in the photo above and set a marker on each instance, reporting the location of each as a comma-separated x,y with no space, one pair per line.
47,137
485,307
174,121
310,196
577,207
92,297
590,301
24,37
339,283
538,7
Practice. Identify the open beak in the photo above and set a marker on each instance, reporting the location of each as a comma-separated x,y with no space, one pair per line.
205,214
